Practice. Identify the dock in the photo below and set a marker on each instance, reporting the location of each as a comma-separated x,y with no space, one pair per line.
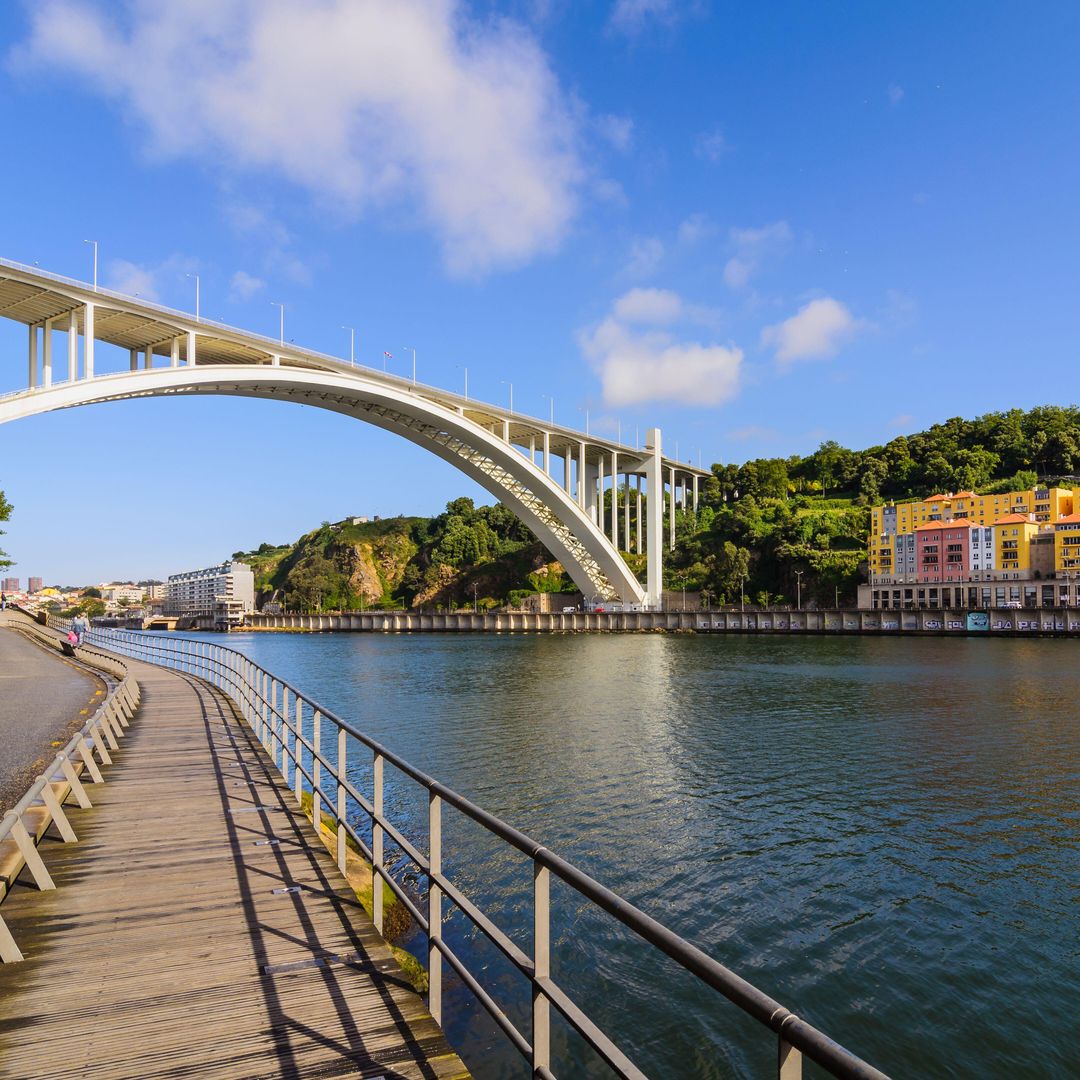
199,927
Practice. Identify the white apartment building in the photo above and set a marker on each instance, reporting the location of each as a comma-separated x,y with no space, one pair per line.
230,586
113,594
981,552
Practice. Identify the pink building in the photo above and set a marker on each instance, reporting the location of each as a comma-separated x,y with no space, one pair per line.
943,551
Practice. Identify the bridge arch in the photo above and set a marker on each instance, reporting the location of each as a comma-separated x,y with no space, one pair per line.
564,527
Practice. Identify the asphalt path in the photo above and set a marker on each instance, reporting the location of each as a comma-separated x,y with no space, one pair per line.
43,699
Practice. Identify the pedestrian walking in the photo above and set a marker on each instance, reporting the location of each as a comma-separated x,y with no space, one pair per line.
79,625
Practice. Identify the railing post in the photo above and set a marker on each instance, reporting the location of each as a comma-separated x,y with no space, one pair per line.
434,907
541,1008
341,766
377,843
298,747
316,772
273,719
285,733
788,1061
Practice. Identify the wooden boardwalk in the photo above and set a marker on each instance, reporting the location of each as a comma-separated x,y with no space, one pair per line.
170,948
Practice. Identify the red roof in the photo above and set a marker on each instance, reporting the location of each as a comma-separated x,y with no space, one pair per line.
964,495
937,498
959,523
1015,519
1069,519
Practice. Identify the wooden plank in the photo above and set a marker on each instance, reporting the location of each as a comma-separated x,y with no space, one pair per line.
165,951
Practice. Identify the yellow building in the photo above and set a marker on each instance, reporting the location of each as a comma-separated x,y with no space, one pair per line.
1012,543
1048,505
1067,546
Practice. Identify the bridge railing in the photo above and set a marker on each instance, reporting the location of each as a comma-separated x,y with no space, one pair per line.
293,728
66,775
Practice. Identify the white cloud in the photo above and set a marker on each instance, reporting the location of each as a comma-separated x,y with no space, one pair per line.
646,255
244,286
753,247
637,366
617,130
695,228
631,16
361,103
896,94
711,145
655,306
818,329
133,280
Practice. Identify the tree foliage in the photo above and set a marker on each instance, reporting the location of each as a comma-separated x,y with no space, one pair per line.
5,513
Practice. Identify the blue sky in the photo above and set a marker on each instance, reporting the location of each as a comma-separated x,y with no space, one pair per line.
758,226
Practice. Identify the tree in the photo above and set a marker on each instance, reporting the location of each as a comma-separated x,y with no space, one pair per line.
92,592
5,513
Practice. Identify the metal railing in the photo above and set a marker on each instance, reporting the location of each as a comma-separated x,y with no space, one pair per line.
98,736
291,726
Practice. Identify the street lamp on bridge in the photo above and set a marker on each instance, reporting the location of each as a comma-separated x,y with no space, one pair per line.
281,324
506,382
461,367
409,348
196,277
94,242
552,401
352,344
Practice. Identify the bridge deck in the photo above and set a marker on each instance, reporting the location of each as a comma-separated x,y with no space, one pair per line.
164,950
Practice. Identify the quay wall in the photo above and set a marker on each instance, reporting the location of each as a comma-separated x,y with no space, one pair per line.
996,621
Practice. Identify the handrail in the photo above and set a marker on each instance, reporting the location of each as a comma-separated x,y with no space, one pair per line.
275,710
100,734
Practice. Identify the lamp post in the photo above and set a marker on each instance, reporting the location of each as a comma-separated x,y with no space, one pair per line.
506,382
196,277
281,323
586,412
409,348
94,242
461,367
352,344
742,592
837,597
798,588
552,401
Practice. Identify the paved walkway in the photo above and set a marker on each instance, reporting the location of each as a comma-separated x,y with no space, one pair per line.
41,698
170,948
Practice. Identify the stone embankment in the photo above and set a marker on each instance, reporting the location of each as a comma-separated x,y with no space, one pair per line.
998,621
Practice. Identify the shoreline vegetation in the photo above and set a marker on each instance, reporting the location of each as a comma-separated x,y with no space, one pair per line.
761,527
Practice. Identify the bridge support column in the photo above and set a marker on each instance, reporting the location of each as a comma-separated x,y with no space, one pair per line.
547,453
46,353
174,352
567,469
133,358
615,500
695,492
638,548
580,475
32,357
88,341
506,431
626,513
148,357
600,493
73,346
671,504
189,353
654,512
588,489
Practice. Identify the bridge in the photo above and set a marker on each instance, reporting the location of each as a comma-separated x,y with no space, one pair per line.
577,492
172,906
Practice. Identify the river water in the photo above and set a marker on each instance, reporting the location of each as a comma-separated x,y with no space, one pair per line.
880,833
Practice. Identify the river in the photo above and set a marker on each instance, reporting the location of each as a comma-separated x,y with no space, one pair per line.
882,834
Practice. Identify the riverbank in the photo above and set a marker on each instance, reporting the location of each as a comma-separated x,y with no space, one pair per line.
999,621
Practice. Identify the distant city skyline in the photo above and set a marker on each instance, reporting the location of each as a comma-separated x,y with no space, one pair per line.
756,229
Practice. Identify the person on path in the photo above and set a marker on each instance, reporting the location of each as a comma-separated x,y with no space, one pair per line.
80,625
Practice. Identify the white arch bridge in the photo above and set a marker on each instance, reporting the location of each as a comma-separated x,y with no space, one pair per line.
554,479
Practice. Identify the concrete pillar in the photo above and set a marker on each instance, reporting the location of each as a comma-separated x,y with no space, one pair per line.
32,357
148,355
696,478
546,450
189,353
581,475
615,500
275,361
626,514
88,341
532,448
506,431
639,514
671,505
588,486
654,539
600,493
567,471
133,355
174,352
46,354
73,346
